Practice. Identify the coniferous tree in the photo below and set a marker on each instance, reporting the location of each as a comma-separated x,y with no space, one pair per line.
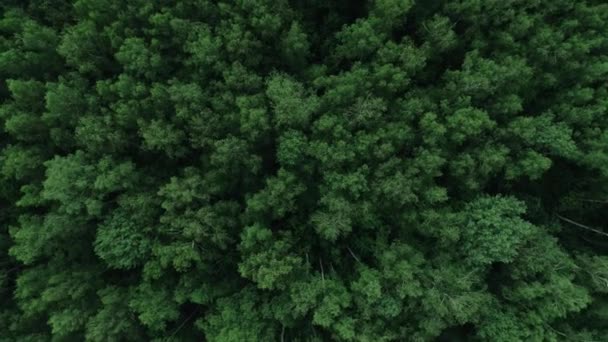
263,170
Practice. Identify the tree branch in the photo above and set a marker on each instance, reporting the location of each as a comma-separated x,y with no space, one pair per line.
580,225
353,254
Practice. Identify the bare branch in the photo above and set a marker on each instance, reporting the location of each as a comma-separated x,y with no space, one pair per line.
580,225
353,254
185,321
592,200
322,272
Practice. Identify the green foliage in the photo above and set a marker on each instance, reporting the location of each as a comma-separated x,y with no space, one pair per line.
120,242
257,170
292,108
493,230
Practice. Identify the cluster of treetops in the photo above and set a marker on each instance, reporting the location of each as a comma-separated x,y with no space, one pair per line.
304,170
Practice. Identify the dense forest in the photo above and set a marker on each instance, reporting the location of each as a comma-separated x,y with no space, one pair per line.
291,170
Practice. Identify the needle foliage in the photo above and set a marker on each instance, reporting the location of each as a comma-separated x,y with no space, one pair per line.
288,170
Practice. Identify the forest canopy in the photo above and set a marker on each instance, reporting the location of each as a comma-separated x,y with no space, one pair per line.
289,170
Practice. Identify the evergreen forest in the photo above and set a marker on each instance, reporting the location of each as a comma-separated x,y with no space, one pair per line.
304,170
